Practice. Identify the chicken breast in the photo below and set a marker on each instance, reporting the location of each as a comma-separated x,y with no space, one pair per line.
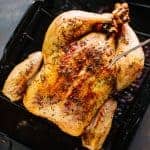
71,95
97,131
17,81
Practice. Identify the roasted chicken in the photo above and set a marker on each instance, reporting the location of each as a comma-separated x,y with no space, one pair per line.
74,85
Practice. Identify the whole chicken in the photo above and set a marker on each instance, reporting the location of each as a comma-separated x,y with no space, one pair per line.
74,85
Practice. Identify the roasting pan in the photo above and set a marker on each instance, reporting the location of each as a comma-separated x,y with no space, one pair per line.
38,133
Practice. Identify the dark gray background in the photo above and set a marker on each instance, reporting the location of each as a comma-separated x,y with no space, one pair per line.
11,12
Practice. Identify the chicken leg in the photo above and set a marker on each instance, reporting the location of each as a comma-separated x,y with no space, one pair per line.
72,25
73,82
97,131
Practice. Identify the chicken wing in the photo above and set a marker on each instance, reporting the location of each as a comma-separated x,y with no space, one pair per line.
71,87
17,81
97,131
130,66
72,25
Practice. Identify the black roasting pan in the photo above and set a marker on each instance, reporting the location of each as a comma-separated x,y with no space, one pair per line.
38,133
